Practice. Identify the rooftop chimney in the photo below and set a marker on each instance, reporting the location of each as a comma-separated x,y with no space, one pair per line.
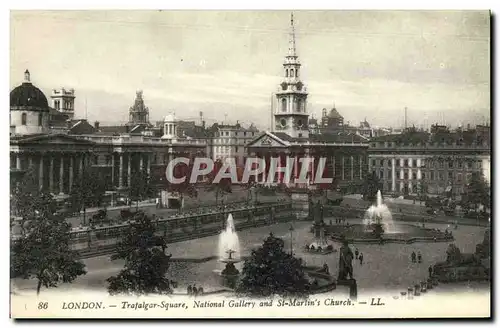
96,125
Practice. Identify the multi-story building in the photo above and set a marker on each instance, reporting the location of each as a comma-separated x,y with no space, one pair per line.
436,162
229,141
346,153
59,156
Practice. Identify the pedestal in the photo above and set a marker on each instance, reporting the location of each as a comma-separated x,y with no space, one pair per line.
353,287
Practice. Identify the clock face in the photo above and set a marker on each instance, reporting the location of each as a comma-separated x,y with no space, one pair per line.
284,86
299,86
283,122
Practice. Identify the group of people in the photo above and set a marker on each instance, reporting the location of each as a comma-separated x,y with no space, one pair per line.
416,257
193,291
359,256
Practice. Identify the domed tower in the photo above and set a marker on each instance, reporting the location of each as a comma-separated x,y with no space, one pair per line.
29,109
291,115
169,127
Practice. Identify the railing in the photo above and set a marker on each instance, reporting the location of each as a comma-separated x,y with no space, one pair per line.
181,221
125,139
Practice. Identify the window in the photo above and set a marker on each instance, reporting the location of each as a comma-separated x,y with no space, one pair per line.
23,119
432,175
40,119
389,162
406,163
291,73
283,105
459,177
299,105
406,176
381,162
286,72
450,164
450,175
460,164
244,134
373,162
381,174
441,176
236,149
300,135
469,165
422,175
414,175
441,164
479,164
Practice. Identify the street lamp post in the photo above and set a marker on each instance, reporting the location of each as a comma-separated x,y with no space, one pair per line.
291,229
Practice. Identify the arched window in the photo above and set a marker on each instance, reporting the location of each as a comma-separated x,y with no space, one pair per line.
283,105
299,105
40,119
23,119
286,72
291,73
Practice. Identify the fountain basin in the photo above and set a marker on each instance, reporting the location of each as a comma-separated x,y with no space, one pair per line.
407,234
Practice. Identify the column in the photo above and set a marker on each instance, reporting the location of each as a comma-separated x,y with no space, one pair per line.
120,177
393,178
352,168
360,167
61,175
70,173
343,170
129,169
30,161
141,161
51,173
40,172
113,169
80,164
149,164
333,166
18,161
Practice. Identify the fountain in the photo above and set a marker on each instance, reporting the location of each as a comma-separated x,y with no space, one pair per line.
229,253
378,226
378,218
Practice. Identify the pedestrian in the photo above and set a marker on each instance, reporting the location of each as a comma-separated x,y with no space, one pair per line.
430,271
413,257
190,290
157,202
200,291
356,253
195,291
419,257
361,258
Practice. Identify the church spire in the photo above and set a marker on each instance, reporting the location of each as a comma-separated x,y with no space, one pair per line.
291,47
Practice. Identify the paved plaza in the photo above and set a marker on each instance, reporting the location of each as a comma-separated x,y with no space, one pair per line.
385,267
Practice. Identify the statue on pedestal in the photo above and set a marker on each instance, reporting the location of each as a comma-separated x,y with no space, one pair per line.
345,262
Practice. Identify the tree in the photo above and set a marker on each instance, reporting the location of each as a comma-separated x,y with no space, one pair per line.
371,185
185,187
146,263
27,199
42,250
87,191
140,186
272,271
477,192
224,186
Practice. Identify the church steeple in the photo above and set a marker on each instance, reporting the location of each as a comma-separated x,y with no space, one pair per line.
291,114
291,48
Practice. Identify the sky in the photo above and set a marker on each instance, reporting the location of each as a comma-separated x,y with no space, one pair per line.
227,64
